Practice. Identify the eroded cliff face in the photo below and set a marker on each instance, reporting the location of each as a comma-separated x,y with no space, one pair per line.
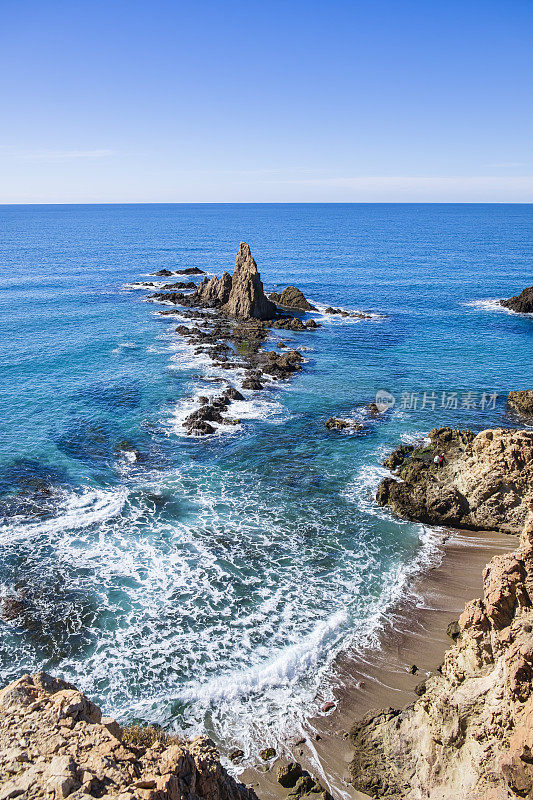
470,735
54,743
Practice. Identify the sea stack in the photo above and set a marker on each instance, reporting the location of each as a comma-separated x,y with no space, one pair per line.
521,303
247,298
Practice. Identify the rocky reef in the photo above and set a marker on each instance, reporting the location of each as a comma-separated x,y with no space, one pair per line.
522,303
470,733
54,743
482,484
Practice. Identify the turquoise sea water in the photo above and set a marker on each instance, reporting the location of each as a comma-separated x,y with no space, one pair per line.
208,584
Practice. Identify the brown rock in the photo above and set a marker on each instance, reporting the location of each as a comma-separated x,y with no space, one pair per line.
288,774
484,484
291,297
247,298
92,761
522,402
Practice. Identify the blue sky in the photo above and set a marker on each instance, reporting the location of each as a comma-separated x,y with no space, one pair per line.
229,101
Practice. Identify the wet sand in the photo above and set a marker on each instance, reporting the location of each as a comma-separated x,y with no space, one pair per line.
416,635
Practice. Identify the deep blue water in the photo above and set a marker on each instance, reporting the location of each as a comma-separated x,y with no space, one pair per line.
209,583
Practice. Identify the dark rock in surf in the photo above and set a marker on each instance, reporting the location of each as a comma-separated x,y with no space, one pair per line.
190,271
252,383
335,423
233,394
521,303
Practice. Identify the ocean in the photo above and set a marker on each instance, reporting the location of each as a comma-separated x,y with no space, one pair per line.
208,584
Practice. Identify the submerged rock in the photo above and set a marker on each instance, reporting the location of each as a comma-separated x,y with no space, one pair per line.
335,423
522,303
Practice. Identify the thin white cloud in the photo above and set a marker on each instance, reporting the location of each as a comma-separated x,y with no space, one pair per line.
508,165
54,155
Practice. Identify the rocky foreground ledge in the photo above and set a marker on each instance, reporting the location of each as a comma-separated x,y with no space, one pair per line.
54,743
469,736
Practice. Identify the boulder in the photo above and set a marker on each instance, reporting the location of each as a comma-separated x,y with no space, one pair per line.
267,754
232,393
252,383
247,298
289,324
522,303
288,774
291,297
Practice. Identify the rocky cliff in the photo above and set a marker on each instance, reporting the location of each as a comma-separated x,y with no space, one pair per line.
469,736
54,743
484,483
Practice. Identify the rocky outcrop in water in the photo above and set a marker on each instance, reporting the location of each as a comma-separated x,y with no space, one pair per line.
247,298
470,733
521,402
522,303
335,423
214,291
484,483
54,743
291,297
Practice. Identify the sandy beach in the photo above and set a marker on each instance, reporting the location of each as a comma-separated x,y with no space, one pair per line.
377,678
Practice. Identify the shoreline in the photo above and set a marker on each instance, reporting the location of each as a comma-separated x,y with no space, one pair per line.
380,677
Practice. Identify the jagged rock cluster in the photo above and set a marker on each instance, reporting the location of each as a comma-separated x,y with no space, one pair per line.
54,743
232,316
522,303
483,484
470,734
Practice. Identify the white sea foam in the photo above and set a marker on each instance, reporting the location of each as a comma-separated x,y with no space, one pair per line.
492,304
78,510
324,317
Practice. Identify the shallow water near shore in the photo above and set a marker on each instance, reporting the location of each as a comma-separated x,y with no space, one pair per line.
209,584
